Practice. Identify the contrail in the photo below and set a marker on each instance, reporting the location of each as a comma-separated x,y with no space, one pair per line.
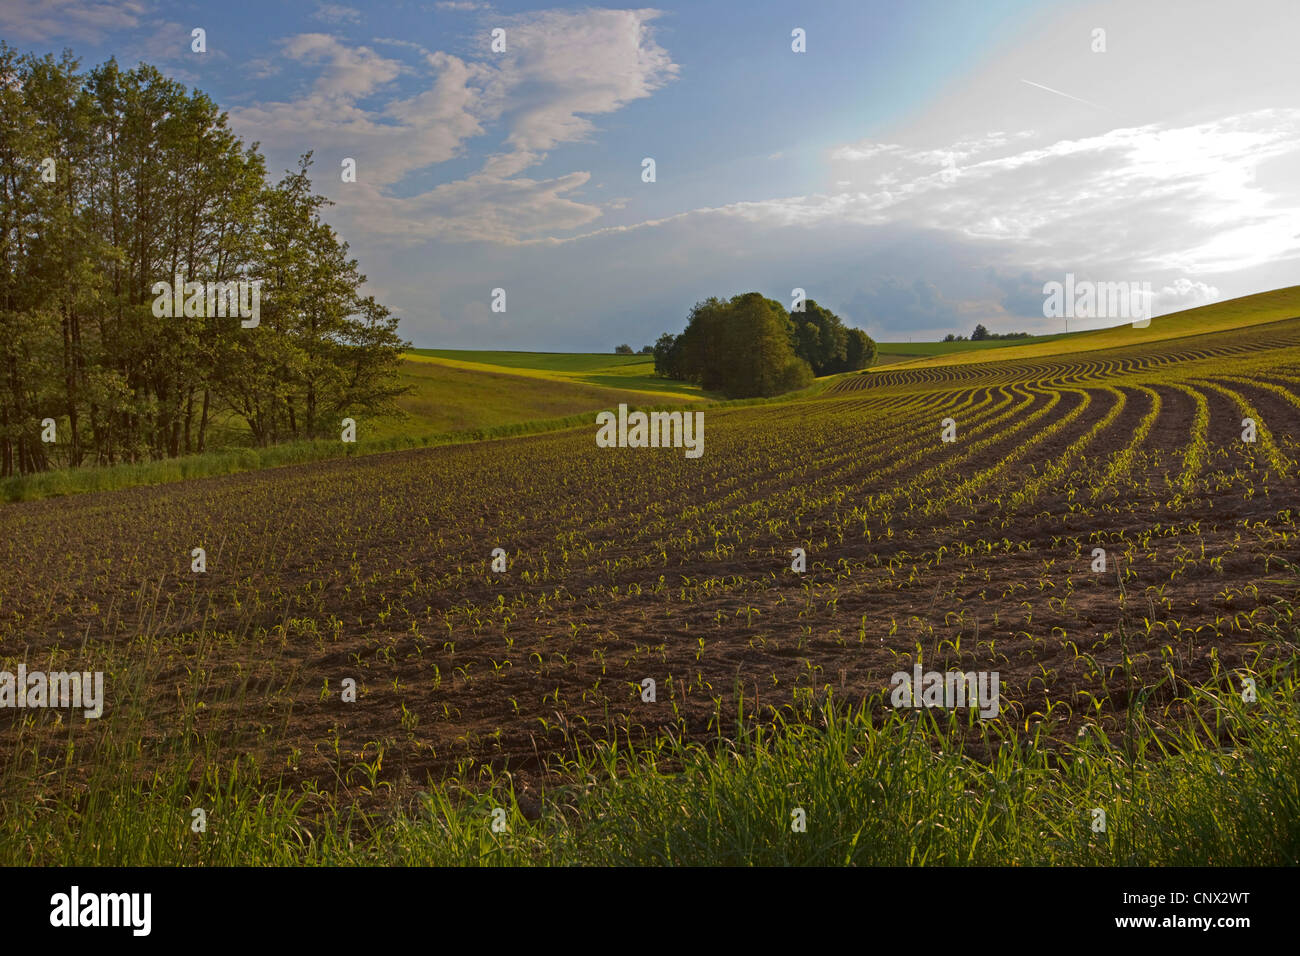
1066,95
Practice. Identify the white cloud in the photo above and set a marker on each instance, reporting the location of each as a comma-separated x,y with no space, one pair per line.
1160,198
560,68
87,21
261,68
336,13
478,208
1184,293
922,255
405,44
956,214
407,134
348,73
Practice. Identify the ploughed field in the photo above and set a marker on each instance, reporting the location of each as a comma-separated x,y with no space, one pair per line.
626,564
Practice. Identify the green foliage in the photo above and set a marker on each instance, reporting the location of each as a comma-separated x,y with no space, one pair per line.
149,183
827,344
860,350
751,346
741,348
667,355
821,339
982,334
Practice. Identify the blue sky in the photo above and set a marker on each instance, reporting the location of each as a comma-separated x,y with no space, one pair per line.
923,166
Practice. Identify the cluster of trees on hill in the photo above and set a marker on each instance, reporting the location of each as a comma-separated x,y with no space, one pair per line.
114,181
750,346
982,334
627,350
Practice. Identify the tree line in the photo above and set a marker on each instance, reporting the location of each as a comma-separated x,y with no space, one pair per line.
751,346
981,334
113,181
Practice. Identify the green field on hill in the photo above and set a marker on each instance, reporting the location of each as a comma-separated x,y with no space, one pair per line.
1225,316
890,353
581,362
631,373
453,395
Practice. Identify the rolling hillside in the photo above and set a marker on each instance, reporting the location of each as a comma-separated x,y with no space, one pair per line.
1226,316
449,395
633,373
501,604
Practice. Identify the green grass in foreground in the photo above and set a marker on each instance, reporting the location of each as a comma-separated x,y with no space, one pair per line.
1218,785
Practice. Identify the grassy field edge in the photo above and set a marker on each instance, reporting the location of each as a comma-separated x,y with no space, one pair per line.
1207,779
